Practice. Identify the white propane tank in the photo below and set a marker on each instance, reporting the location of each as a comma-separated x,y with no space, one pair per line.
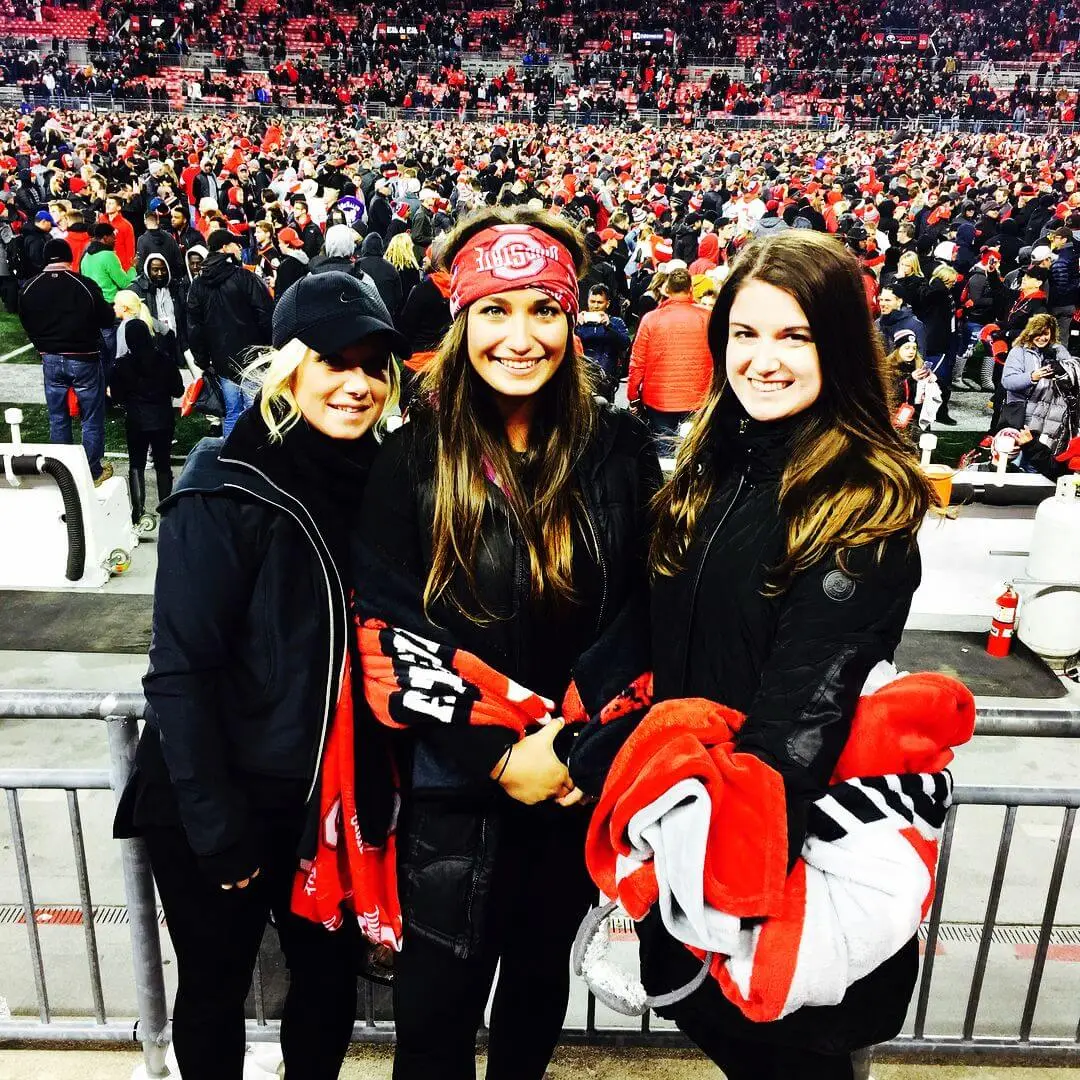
1055,541
1050,606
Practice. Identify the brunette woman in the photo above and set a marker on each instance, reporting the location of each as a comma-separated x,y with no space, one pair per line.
513,507
784,563
248,651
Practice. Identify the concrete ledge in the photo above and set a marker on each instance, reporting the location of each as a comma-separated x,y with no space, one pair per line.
373,1063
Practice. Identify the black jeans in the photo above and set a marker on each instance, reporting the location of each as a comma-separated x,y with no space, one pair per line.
140,443
216,934
540,893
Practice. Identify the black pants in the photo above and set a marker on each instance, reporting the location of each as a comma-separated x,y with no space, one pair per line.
216,935
540,893
742,1059
140,442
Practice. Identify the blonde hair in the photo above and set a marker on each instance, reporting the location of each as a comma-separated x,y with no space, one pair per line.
274,372
946,274
1036,326
401,254
133,303
910,259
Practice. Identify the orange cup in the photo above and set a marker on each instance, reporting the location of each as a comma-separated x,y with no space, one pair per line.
940,477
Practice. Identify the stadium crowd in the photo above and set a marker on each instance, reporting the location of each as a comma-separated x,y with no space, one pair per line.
963,237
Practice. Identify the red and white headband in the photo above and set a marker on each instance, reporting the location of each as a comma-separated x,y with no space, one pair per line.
508,257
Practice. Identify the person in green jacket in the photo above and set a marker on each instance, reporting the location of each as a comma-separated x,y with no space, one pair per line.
100,263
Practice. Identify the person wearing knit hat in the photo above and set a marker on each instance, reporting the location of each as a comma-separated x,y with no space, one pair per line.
258,533
517,443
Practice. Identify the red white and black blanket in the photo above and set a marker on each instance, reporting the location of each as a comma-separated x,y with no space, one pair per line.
689,824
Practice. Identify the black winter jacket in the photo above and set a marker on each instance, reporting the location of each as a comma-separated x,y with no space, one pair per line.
145,380
64,312
939,308
239,703
986,293
387,279
425,318
793,664
229,310
454,816
159,242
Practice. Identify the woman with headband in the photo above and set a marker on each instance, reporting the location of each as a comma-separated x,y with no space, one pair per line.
506,527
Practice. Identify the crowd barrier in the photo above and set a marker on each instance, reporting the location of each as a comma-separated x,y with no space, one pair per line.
120,714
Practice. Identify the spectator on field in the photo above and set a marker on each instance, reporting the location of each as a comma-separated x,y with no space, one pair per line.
125,234
101,264
1041,384
294,262
670,364
144,382
605,339
1064,279
896,316
33,241
229,312
401,255
387,280
63,314
158,241
165,297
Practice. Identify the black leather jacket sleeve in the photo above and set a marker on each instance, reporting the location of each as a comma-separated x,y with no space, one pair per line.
833,628
390,526
204,583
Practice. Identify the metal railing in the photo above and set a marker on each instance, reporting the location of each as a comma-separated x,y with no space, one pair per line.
120,712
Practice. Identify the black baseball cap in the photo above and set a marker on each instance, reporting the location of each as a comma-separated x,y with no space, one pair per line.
331,311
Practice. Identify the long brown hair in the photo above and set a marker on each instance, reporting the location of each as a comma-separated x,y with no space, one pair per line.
472,448
850,480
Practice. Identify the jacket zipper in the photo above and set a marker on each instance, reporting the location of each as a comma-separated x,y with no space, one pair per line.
743,477
476,876
600,558
343,610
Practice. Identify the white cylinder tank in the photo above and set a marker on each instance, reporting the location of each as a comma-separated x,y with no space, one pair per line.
1055,541
1050,609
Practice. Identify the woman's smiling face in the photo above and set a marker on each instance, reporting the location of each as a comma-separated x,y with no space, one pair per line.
516,341
771,360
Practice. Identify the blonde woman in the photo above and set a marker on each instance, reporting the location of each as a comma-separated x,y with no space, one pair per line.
144,382
401,255
249,646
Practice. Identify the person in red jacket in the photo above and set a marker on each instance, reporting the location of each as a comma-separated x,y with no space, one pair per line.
670,366
125,234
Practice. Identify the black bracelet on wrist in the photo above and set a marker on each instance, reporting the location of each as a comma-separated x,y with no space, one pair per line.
506,762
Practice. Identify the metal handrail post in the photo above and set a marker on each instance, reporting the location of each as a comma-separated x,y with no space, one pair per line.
142,910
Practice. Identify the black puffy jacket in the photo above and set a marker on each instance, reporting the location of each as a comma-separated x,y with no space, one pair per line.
794,664
452,821
229,310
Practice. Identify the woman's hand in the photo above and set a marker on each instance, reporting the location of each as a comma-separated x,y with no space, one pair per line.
533,773
1041,373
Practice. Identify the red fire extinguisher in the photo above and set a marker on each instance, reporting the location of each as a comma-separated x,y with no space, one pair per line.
1003,624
